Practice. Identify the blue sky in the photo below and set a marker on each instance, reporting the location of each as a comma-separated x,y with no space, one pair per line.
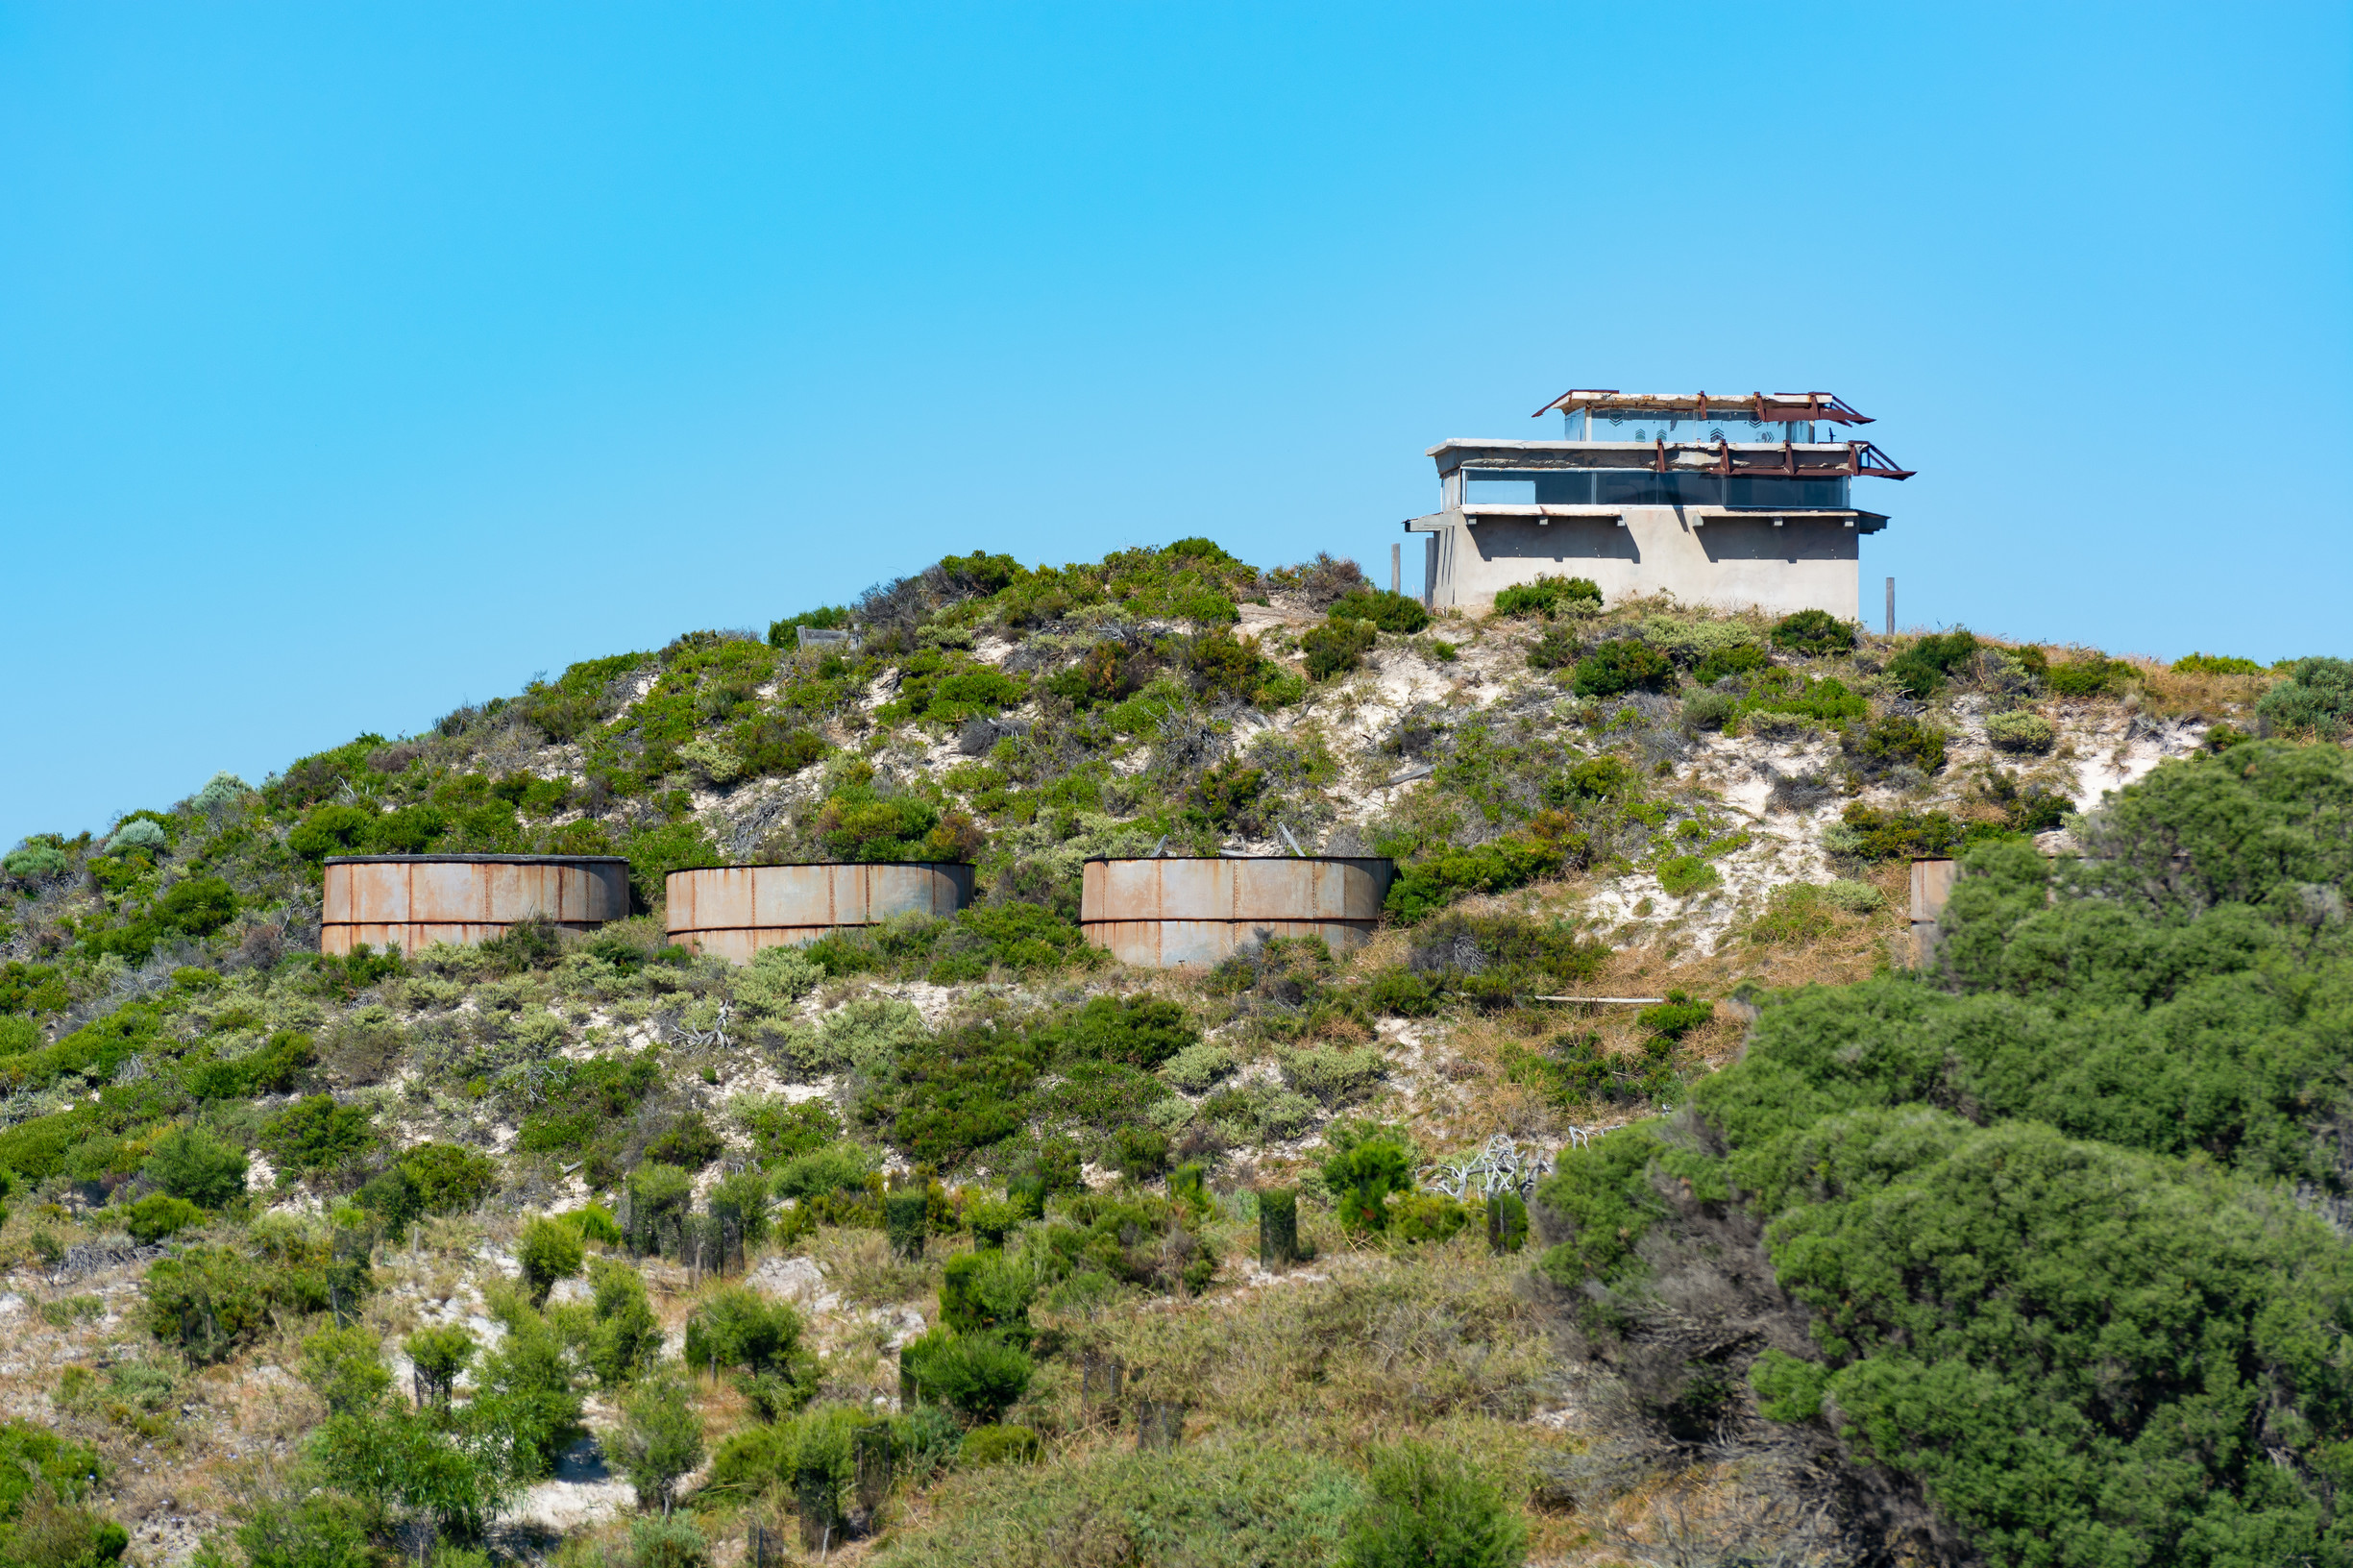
358,360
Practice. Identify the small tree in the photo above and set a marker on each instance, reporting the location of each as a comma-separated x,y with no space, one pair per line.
346,1369
439,1355
660,1441
548,1250
741,1330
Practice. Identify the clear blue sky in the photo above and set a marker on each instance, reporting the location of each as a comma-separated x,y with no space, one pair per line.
360,359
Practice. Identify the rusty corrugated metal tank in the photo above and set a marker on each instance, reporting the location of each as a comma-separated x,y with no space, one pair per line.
732,912
1168,912
412,901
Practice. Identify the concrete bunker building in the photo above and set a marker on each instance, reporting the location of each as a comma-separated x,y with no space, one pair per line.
1734,501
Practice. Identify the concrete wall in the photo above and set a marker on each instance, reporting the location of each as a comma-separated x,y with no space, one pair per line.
1698,554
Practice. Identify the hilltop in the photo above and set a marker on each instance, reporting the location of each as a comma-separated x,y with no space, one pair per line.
624,1226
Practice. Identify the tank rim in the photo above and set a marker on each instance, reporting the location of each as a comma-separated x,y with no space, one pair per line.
1149,860
798,865
476,860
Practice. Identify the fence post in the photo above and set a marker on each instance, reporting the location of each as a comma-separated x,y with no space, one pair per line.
813,1495
870,1454
1160,1425
1278,1228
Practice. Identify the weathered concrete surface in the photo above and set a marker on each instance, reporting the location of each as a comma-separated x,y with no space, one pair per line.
1703,556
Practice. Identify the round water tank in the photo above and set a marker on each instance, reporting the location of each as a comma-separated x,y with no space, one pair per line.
732,912
1168,912
412,901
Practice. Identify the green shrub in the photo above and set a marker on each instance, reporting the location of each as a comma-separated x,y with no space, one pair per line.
1622,665
1682,875
1396,993
1816,632
1548,597
1676,1017
1924,667
1827,700
979,1375
1558,646
2021,732
1738,659
1426,1216
189,1163
661,1200
1337,646
690,1144
1425,886
1710,710
841,1166
985,1446
1335,1075
782,1129
2088,677
211,1301
1140,1153
1141,1031
987,1291
1196,1068
1895,740
1576,1070
270,1071
2215,664
1391,612
316,1134
1430,1510
1506,1222
1494,961
160,1215
1863,833
1367,1164
2316,697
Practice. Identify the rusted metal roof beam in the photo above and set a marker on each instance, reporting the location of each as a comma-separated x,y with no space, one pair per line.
1778,408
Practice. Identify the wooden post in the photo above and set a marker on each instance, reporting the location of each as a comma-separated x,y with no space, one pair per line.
1397,569
1891,606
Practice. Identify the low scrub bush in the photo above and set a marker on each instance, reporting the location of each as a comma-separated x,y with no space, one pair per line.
1682,875
2021,732
1863,833
2316,697
1494,961
1425,886
2215,664
2093,676
1430,1509
1815,632
1556,648
1391,612
1891,741
1337,646
1925,666
985,1446
1622,665
1548,597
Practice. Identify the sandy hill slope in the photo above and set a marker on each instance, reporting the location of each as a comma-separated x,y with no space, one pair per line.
1015,1197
